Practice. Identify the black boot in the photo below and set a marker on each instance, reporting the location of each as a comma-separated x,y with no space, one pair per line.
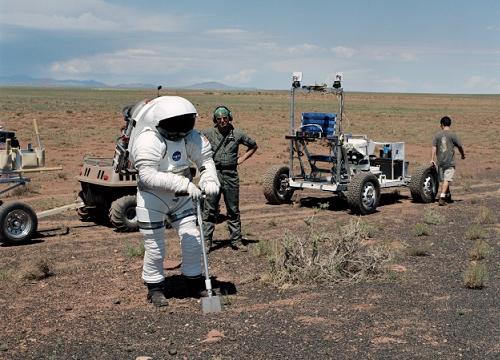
156,294
195,286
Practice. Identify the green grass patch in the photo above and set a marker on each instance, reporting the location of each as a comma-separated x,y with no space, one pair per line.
421,229
134,249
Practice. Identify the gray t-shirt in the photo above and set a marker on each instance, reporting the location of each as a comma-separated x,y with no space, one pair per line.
445,142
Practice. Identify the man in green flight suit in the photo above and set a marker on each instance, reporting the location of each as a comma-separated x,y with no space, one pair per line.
225,141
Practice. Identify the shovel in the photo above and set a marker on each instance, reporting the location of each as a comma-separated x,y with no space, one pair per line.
210,303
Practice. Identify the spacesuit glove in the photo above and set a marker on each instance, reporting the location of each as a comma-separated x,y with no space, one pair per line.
193,191
210,188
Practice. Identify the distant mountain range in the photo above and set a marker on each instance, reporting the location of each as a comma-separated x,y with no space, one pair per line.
21,80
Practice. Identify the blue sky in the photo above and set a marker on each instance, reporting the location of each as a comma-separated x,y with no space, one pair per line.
404,46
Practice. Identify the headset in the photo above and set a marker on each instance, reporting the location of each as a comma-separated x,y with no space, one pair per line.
230,114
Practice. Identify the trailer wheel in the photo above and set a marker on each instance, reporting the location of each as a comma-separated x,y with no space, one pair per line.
424,184
363,193
122,214
276,185
18,222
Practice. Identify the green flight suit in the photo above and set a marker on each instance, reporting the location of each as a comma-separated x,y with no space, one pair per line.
226,162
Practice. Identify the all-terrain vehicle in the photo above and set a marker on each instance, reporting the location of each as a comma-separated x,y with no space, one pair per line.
109,185
18,220
323,157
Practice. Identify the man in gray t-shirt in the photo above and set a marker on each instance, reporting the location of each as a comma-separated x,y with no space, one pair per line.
443,149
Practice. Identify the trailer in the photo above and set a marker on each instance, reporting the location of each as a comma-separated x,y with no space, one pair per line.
18,220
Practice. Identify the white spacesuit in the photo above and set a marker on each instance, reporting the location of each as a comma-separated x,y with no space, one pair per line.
162,147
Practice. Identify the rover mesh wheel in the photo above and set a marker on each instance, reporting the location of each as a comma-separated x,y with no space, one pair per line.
18,222
363,193
424,184
122,214
276,185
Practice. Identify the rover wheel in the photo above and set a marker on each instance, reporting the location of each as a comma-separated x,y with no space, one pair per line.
363,193
276,185
424,184
18,222
122,214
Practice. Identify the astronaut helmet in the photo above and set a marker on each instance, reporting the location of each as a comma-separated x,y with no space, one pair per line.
174,116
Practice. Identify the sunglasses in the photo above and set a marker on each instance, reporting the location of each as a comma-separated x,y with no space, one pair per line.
222,118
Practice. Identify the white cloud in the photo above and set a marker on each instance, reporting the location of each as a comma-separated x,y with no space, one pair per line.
225,31
85,21
303,48
478,82
128,62
92,15
389,54
242,77
343,52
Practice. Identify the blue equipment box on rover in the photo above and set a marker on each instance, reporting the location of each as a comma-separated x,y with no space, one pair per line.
315,124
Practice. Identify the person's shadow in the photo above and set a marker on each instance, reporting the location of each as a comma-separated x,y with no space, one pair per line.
176,287
219,244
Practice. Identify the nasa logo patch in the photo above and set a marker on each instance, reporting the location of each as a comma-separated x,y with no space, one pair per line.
176,156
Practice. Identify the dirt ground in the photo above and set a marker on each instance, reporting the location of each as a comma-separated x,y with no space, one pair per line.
93,303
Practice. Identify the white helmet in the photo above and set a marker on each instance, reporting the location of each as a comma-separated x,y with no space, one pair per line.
173,116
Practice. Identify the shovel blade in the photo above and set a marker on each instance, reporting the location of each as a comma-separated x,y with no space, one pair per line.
210,304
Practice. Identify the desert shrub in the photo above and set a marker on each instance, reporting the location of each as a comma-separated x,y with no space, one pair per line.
475,231
417,251
433,217
38,270
475,276
4,275
485,216
24,190
321,256
474,200
134,249
467,185
480,250
421,229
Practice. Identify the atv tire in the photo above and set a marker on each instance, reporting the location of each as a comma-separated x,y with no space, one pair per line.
276,187
83,213
424,184
363,193
122,214
18,222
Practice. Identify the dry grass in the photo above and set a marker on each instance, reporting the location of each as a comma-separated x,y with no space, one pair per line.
38,270
485,216
421,229
319,256
480,250
475,276
475,232
418,251
432,216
